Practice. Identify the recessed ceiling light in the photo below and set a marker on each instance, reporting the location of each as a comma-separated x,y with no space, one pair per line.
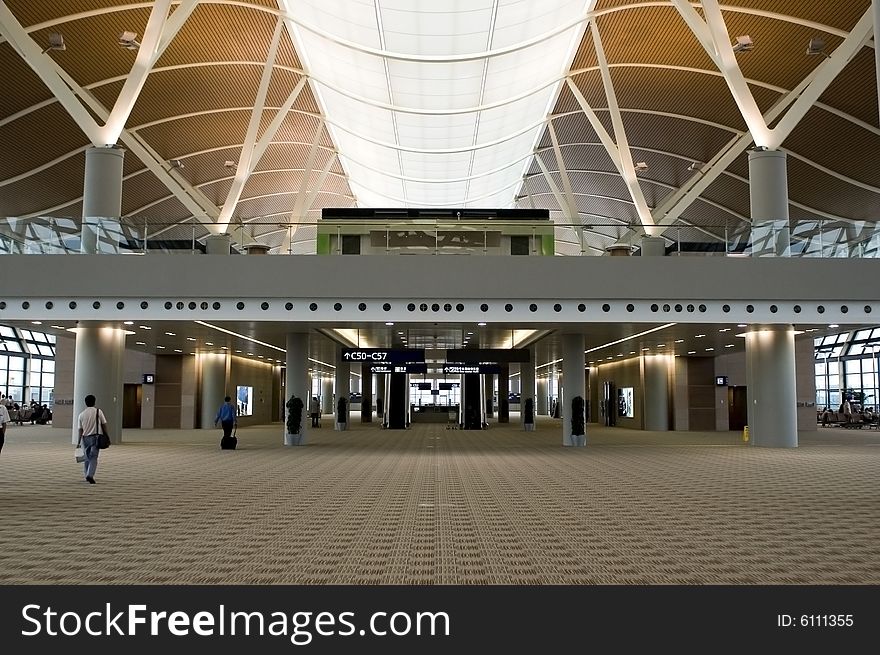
620,354
644,349
399,332
470,334
190,338
389,323
692,352
238,351
36,322
59,327
730,345
708,350
632,352
208,343
481,324
177,350
128,322
609,358
700,336
139,343
145,327
832,326
223,348
260,356
725,330
661,345
251,354
171,334
679,341
741,325
161,347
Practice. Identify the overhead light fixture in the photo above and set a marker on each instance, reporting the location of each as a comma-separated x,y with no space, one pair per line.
171,334
641,167
139,343
145,327
161,347
695,166
834,325
176,163
56,42
481,324
128,322
389,323
128,40
816,46
692,352
229,164
36,322
743,43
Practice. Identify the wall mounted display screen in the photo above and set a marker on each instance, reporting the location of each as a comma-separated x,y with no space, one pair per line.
245,398
625,402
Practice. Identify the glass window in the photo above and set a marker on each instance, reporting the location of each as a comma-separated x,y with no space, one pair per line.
39,336
49,365
862,335
834,367
820,368
27,334
833,381
12,346
16,378
868,364
6,331
15,393
16,363
33,348
46,350
48,379
834,399
853,381
821,382
50,338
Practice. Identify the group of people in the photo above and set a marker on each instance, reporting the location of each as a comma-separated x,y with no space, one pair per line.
845,410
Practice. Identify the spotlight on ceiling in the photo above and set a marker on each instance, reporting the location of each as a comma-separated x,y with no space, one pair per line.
695,166
128,40
56,42
743,44
816,46
641,167
229,163
176,163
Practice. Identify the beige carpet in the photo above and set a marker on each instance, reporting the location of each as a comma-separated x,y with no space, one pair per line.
433,506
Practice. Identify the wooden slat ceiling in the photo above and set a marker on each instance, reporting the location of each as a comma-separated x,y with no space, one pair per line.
677,109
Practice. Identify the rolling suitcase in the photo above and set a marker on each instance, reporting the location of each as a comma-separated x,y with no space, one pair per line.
229,443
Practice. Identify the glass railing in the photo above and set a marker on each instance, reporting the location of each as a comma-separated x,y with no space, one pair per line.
132,235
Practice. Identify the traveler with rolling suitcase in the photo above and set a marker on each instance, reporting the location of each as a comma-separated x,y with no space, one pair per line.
226,416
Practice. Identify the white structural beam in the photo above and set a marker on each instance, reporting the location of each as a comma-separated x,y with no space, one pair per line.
827,71
675,204
196,202
626,165
736,81
713,35
246,161
47,70
875,4
159,33
563,173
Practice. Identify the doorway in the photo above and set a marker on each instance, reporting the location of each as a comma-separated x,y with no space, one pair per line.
131,406
737,408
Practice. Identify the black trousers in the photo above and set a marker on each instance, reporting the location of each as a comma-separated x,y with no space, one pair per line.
2,437
315,418
227,428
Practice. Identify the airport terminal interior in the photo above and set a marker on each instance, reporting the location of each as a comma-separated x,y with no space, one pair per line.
499,291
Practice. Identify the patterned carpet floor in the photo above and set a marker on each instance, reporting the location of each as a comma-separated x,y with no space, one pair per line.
434,506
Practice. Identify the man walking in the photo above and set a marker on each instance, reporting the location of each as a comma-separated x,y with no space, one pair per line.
226,417
91,423
4,421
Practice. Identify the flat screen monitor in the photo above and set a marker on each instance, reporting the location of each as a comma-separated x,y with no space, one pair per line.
625,402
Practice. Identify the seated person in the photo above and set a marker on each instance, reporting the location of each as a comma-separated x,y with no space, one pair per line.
826,417
43,416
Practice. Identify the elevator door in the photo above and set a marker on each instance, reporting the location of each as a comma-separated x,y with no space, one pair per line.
131,406
738,410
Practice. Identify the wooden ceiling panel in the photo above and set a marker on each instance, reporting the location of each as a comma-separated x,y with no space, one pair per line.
36,139
837,144
29,89
694,141
826,193
730,192
140,190
195,133
859,74
54,186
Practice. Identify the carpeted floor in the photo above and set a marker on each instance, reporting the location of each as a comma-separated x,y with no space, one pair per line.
433,506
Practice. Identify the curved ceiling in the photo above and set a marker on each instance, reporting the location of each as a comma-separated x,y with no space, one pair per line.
276,109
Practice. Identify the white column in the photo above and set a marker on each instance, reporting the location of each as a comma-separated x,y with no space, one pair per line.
102,194
542,406
768,192
343,390
98,371
213,386
218,244
771,395
876,5
489,394
327,396
656,392
297,383
527,391
573,385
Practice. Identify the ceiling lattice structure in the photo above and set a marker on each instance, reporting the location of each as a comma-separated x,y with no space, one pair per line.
250,116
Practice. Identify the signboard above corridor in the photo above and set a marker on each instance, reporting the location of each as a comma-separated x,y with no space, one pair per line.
382,355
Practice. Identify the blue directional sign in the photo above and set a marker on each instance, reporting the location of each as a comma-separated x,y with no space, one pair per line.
382,355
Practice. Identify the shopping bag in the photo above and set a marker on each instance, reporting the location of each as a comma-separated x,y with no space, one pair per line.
79,454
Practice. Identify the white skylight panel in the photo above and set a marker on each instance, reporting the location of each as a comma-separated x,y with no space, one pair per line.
435,86
387,154
436,132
